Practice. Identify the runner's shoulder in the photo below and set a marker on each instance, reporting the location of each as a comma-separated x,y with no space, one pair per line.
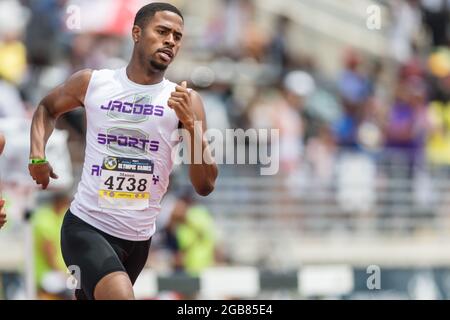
81,77
76,85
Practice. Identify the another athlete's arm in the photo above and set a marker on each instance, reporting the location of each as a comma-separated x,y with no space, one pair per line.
2,202
63,98
189,108
2,143
2,213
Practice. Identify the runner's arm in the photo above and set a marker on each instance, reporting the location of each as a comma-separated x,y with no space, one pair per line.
204,174
60,100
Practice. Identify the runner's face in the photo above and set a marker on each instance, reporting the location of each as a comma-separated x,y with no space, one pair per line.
161,39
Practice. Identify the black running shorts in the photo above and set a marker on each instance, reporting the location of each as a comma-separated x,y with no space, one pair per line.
98,254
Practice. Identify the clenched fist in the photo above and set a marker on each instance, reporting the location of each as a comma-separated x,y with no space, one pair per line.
180,102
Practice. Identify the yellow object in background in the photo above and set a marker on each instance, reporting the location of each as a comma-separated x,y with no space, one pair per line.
438,140
47,228
197,241
13,61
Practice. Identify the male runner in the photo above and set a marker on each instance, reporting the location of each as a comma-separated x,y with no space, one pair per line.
131,114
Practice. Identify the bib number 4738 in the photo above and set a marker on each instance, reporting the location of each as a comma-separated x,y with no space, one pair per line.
123,183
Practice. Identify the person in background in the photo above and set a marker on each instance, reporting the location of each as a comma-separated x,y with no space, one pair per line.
406,126
354,90
196,238
189,234
47,221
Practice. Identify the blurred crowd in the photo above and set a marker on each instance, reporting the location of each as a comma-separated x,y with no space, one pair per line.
374,103
393,109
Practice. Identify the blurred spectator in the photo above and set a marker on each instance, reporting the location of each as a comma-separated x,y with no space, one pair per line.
435,17
354,89
190,234
406,126
353,84
168,234
13,62
277,49
320,153
406,19
197,239
49,264
438,112
12,51
282,110
43,31
233,31
370,134
297,87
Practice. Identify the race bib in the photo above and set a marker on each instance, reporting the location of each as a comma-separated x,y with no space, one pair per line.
125,183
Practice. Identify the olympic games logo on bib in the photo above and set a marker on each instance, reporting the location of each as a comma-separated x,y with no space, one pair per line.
110,163
125,183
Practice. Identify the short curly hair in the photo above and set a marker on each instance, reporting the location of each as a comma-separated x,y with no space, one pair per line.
146,13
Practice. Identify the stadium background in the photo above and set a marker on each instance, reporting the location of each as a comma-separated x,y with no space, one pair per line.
359,90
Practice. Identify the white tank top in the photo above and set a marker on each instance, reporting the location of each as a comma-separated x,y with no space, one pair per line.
128,154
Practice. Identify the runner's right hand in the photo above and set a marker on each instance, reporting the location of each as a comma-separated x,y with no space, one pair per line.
41,173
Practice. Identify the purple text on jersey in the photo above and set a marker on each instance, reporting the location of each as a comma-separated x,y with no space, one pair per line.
134,108
127,141
96,170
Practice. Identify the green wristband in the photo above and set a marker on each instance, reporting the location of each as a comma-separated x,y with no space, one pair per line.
37,161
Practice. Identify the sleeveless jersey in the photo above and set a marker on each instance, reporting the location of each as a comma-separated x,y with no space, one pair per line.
130,135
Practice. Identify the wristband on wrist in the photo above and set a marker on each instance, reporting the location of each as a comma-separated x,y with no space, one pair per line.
37,161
